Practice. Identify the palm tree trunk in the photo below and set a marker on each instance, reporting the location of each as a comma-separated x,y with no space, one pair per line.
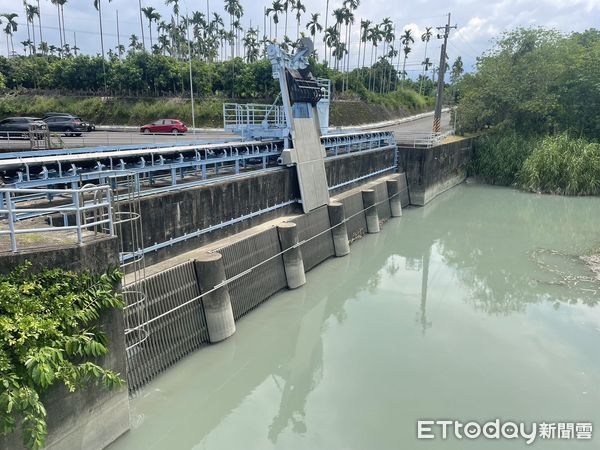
178,48
403,71
142,24
389,85
359,45
150,30
326,17
28,36
384,75
285,30
424,59
40,20
33,34
371,66
364,54
347,56
7,47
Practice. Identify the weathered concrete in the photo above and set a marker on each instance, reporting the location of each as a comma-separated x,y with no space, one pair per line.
370,207
177,213
90,418
254,265
292,258
432,171
174,214
340,232
184,329
217,304
95,256
344,168
243,253
314,231
353,203
393,189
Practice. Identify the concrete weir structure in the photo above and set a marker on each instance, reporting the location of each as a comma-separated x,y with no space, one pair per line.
257,263
217,251
432,171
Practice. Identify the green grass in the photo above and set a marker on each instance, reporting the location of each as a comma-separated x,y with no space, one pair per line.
114,111
558,164
498,157
124,111
562,165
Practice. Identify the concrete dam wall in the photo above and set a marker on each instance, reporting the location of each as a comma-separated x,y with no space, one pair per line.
432,171
177,220
254,268
265,245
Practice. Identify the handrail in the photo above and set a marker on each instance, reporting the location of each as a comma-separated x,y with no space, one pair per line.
101,217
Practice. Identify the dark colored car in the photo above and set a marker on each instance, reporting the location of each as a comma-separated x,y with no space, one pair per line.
173,126
70,125
17,126
90,126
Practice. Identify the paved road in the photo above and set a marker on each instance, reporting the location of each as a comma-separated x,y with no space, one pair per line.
116,138
420,126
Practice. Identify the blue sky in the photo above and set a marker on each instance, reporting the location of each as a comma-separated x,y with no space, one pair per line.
478,22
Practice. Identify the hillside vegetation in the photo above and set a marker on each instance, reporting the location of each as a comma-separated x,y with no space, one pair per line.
209,112
143,87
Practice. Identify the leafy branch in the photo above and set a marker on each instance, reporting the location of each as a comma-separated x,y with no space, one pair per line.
49,334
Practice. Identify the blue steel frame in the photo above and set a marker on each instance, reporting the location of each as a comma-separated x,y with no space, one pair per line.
207,162
221,162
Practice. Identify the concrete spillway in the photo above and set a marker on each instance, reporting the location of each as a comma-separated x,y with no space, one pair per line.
222,217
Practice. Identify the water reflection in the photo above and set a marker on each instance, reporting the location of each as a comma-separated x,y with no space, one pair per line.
514,249
354,357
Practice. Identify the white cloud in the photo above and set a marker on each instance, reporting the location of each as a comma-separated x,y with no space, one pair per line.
478,22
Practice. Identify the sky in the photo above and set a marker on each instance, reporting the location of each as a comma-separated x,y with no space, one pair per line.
478,22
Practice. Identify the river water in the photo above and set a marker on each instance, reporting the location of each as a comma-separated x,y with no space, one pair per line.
475,307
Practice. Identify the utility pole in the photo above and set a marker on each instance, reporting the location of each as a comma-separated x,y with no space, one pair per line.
437,118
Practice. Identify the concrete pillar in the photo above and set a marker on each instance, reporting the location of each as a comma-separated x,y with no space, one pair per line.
370,208
393,189
339,231
210,271
292,259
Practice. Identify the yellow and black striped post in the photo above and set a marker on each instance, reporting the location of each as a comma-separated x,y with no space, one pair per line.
437,125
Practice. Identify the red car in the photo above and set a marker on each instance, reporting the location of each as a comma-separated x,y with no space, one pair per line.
173,126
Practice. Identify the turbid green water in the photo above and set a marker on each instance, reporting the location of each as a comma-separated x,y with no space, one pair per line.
471,308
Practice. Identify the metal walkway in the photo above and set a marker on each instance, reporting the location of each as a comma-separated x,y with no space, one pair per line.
160,169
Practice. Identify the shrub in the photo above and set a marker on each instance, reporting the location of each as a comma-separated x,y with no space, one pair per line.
48,335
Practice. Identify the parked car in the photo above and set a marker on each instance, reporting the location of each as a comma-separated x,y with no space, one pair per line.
17,126
90,126
70,125
173,126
